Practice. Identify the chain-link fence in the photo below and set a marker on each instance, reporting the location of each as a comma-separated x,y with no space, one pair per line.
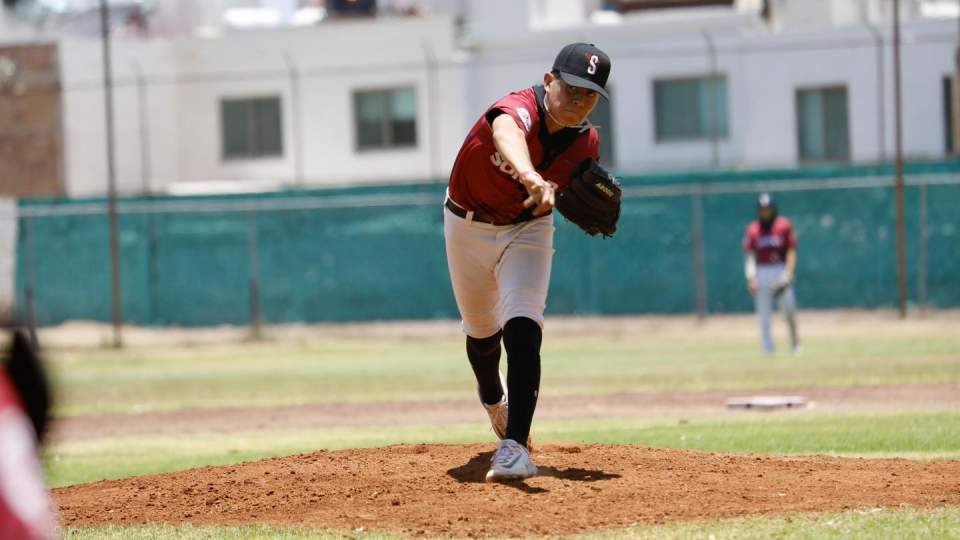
376,253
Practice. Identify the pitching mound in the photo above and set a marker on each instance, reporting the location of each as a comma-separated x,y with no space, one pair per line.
439,489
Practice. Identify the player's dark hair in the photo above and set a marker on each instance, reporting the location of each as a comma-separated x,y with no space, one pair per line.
766,201
25,369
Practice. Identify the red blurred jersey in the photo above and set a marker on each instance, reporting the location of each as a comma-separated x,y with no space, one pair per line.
484,182
770,247
25,511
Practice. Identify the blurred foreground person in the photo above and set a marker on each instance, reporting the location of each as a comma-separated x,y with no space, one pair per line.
26,512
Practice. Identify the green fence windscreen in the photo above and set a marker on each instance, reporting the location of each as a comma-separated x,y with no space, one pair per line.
376,253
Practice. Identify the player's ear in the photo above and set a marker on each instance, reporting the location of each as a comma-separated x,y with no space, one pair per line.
547,79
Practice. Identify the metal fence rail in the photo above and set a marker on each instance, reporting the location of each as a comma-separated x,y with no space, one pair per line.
259,259
299,203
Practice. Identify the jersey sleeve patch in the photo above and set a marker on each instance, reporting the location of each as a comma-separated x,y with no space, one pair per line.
519,106
524,116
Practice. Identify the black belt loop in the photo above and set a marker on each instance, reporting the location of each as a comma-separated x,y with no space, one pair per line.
457,211
460,212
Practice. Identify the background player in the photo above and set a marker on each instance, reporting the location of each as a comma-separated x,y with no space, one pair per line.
770,246
499,234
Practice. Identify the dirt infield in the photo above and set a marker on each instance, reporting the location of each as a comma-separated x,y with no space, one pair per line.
439,489
80,335
673,404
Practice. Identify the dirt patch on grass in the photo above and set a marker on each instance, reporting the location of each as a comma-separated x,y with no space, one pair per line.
80,335
439,489
673,405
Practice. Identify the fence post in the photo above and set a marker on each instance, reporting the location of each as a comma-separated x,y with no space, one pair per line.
28,268
922,248
153,265
294,74
115,281
256,322
696,237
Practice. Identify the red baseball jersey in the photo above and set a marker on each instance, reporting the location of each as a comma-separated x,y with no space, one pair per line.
484,182
25,511
771,246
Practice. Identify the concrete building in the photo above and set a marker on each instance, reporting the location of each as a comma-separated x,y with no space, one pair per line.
749,83
289,98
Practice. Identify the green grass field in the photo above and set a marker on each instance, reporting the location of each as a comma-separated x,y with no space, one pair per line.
338,369
853,525
106,381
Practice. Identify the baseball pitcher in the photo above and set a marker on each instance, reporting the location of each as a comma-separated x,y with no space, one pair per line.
770,246
530,151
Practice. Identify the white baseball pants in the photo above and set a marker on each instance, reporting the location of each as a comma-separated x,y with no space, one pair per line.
767,277
498,272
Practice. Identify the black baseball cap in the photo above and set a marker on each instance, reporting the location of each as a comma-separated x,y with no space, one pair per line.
585,66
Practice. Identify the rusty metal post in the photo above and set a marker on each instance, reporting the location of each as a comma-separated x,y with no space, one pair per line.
111,178
898,121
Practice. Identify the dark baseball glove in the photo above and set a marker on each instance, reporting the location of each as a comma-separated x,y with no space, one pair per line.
592,200
782,284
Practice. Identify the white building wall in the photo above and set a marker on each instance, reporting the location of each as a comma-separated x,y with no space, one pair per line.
928,57
211,70
775,68
642,49
84,120
850,57
636,143
187,78
764,70
331,154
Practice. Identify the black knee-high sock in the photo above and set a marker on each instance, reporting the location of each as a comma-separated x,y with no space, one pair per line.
484,356
522,338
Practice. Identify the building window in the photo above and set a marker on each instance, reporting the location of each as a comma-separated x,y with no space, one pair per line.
386,118
822,131
251,127
691,109
624,6
602,119
948,115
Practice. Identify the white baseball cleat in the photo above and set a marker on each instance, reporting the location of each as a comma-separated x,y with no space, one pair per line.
498,411
498,416
511,461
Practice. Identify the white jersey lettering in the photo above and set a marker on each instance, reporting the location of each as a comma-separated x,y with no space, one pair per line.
769,241
504,165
